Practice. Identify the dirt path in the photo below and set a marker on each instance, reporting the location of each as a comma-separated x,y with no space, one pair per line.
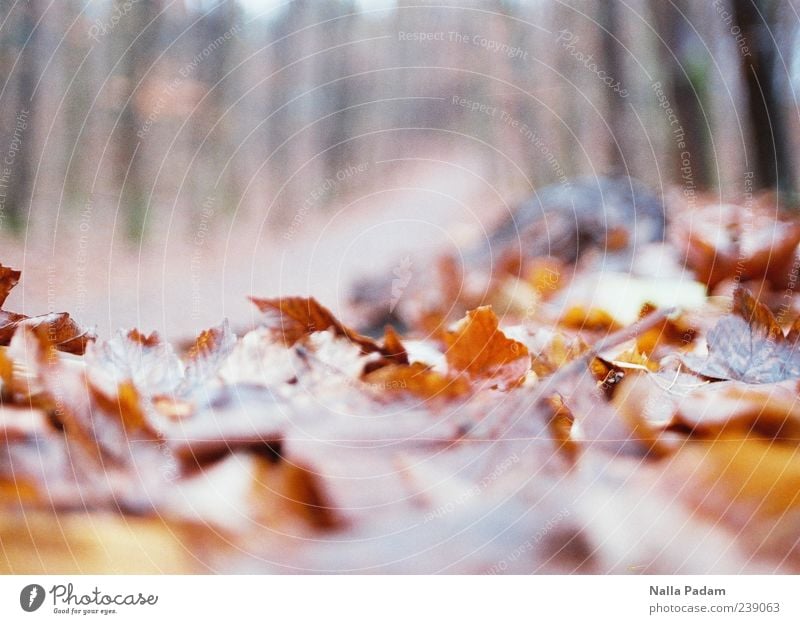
187,277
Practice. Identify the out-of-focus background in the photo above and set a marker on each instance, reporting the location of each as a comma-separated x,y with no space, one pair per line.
163,159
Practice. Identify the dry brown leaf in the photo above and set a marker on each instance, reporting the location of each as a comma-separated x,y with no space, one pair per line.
477,347
558,351
297,489
393,349
633,399
8,279
416,379
39,542
392,352
559,424
749,346
726,240
146,360
62,331
770,411
593,319
545,275
206,355
294,318
671,332
632,359
759,477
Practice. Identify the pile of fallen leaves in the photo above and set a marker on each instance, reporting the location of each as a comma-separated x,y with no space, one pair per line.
573,420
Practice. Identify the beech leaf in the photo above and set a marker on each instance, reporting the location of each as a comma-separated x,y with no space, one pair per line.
293,318
748,346
416,379
8,279
479,348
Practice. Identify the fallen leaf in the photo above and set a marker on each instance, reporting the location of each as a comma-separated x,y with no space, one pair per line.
545,275
416,379
8,279
554,351
477,347
299,489
748,346
725,240
205,357
769,411
671,332
559,424
293,318
755,476
393,349
633,400
62,331
604,300
631,359
146,360
40,542
591,319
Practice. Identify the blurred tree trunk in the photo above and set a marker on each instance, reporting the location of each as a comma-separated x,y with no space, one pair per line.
17,100
685,74
770,159
611,23
136,41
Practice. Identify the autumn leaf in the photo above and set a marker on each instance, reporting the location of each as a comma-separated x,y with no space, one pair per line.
725,240
559,423
293,318
393,349
633,401
62,331
545,275
146,360
392,352
631,359
592,319
753,477
305,491
748,346
8,279
416,379
207,353
477,347
671,332
770,411
104,424
94,543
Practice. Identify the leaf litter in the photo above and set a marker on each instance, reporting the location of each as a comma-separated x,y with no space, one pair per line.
523,423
